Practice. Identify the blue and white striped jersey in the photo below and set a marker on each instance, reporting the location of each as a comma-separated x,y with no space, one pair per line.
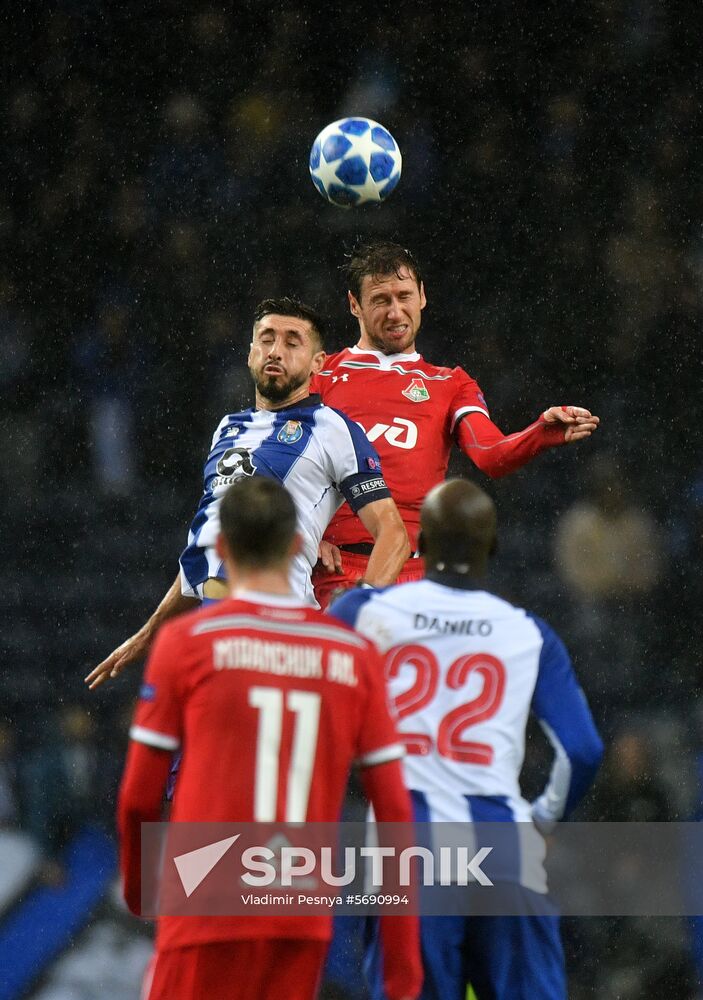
319,455
464,668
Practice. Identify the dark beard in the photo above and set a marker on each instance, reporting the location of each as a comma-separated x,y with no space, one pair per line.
276,392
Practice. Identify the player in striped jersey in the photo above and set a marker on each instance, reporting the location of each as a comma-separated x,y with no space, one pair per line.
464,668
413,411
319,455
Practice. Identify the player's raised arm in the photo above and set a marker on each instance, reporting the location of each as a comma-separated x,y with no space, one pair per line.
138,645
498,454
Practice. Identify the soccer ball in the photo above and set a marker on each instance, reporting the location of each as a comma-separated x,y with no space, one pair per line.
353,161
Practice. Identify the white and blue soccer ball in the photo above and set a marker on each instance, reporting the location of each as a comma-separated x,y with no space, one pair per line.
355,160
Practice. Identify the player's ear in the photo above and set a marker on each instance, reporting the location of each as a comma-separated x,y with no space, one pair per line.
423,299
318,362
354,307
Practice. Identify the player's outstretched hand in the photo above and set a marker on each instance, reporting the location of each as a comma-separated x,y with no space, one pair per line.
330,557
578,422
132,649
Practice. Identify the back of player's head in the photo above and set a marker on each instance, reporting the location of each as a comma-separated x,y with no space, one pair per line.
379,259
458,527
258,522
287,306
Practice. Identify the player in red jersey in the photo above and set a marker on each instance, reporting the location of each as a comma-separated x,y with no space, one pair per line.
271,664
412,411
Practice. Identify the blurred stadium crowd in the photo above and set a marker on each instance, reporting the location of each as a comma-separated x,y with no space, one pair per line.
155,187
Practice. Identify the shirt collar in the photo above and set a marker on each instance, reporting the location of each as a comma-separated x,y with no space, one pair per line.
313,399
386,359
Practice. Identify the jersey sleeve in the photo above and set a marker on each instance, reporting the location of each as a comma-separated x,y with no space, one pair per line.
158,720
563,713
378,740
468,398
356,467
499,454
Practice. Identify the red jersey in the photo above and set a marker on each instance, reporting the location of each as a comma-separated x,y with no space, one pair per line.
413,412
244,687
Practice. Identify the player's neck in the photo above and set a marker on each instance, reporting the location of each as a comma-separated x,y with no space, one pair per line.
262,403
463,577
365,344
271,581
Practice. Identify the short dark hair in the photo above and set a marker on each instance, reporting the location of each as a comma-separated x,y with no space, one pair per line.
457,525
287,306
258,520
378,259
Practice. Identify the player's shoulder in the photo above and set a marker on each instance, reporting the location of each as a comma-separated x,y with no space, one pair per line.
330,418
326,413
229,421
421,599
383,604
548,635
448,373
520,620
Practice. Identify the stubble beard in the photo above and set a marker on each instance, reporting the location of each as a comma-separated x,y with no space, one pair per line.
380,344
274,391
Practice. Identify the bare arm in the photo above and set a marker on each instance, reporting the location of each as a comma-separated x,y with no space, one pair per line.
391,546
138,645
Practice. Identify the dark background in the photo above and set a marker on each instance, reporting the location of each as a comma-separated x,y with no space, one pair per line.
155,187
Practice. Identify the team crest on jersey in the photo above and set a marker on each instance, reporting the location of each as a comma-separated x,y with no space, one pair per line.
291,432
416,391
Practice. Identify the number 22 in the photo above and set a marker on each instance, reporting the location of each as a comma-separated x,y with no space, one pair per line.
450,732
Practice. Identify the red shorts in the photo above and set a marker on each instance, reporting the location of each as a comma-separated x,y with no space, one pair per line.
353,569
265,969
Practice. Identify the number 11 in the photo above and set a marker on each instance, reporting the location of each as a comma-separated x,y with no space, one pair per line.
306,706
